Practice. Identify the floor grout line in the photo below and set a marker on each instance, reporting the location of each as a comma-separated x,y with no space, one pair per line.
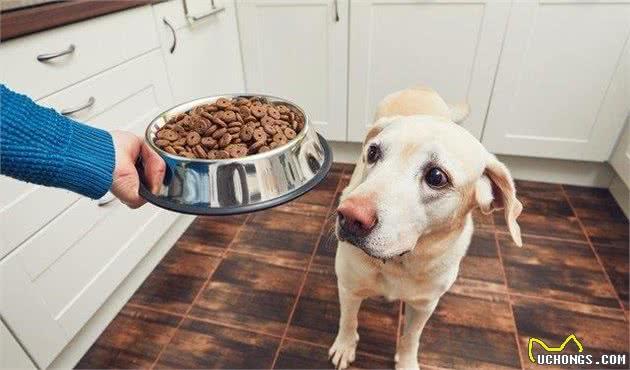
199,293
509,299
590,243
559,301
308,267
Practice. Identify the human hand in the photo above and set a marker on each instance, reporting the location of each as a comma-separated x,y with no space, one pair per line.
128,147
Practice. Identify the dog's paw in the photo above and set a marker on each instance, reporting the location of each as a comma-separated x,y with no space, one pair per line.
406,362
343,351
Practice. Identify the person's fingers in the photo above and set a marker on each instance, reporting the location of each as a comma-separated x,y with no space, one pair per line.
125,188
154,168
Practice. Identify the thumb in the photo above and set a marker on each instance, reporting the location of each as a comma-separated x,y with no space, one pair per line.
154,168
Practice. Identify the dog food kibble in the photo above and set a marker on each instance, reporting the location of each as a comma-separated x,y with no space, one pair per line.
230,128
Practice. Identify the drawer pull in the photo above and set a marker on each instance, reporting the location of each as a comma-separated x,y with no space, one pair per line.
69,111
336,11
193,18
106,199
172,49
49,56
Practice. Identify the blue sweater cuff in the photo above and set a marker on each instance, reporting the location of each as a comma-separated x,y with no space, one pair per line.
89,162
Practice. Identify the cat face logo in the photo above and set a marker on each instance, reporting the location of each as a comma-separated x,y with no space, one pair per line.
552,349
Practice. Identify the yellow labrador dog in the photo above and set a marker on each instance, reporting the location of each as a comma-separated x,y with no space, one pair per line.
404,222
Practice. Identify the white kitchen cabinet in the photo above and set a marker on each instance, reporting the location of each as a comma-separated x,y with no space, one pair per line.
12,356
451,46
563,83
202,57
297,49
620,158
56,279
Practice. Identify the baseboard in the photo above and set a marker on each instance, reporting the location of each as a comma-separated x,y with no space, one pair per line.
594,174
77,347
620,192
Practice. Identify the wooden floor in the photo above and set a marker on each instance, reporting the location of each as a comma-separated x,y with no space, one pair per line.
259,291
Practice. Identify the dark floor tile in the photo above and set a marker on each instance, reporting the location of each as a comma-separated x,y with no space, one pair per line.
617,264
600,330
297,355
255,292
481,270
176,280
211,235
546,212
602,217
316,318
201,345
324,192
132,340
286,236
556,269
470,332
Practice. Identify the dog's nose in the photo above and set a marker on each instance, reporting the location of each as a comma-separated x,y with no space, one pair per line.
357,216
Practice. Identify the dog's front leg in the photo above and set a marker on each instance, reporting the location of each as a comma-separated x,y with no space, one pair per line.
415,319
343,350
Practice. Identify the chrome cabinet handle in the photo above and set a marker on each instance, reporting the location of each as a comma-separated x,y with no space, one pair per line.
69,111
106,199
49,56
336,11
193,18
172,49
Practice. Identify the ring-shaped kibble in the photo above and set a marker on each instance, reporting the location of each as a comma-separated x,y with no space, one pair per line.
259,111
193,138
247,133
289,133
219,133
229,116
208,142
162,143
223,103
273,112
244,110
260,135
222,154
269,129
225,140
263,149
267,120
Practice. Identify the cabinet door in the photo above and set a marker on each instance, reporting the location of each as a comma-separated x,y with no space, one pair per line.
54,281
206,59
451,46
562,87
298,49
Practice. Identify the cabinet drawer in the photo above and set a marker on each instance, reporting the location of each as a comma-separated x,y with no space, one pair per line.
75,278
99,44
126,97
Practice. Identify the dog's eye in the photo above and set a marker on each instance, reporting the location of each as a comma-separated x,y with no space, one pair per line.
436,178
374,153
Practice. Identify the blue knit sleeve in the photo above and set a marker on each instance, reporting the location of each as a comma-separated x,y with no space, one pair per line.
41,146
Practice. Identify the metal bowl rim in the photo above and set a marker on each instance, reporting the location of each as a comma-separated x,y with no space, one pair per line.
295,141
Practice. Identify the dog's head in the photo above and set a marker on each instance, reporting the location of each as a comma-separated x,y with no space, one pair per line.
419,175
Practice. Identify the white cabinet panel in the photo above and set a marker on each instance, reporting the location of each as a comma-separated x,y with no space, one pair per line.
298,49
206,59
12,356
131,94
620,159
451,46
99,43
63,273
562,87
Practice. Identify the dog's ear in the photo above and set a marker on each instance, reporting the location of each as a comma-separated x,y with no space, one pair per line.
378,126
458,112
495,190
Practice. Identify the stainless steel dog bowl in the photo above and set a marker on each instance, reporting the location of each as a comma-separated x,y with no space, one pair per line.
232,186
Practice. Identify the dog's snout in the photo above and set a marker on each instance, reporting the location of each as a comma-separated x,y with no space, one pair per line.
357,216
